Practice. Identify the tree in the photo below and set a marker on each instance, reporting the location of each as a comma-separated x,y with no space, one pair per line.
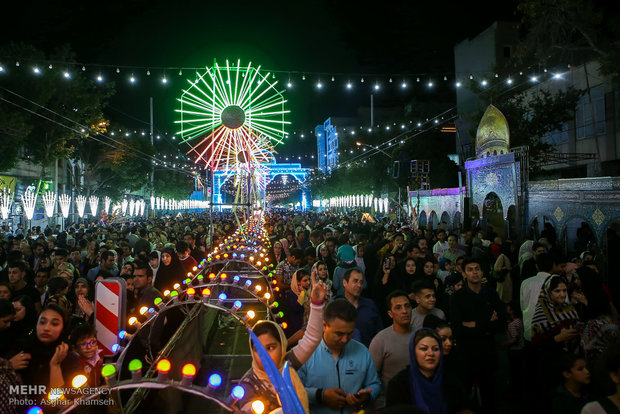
572,31
173,183
48,107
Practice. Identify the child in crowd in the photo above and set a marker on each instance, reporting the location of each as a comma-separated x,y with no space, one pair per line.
57,289
83,341
568,397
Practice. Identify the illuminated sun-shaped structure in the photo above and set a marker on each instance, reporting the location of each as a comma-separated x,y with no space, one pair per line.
232,117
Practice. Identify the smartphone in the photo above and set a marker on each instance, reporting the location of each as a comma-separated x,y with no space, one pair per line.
388,262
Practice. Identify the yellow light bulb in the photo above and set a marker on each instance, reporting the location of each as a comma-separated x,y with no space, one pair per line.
258,407
78,381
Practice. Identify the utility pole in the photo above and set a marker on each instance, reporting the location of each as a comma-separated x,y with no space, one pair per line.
152,146
372,109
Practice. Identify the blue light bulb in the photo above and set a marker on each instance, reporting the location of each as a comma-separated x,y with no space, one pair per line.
215,380
238,392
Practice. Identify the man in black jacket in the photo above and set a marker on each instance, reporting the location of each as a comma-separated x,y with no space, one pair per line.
477,315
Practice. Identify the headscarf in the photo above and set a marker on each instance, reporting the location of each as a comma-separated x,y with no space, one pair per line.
426,393
168,275
525,251
302,295
282,254
264,378
359,260
155,269
549,314
327,281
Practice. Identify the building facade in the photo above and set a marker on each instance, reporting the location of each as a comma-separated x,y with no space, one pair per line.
327,146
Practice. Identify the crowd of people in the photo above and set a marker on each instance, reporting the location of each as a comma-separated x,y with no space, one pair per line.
379,316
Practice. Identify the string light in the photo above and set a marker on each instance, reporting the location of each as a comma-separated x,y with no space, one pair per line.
6,200
65,202
49,202
29,200
80,202
93,202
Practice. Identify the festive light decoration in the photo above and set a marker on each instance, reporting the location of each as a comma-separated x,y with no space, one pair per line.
78,381
29,200
215,380
55,394
108,372
6,200
238,392
132,205
258,407
124,204
237,117
49,202
188,371
93,202
64,200
163,367
80,202
106,204
135,367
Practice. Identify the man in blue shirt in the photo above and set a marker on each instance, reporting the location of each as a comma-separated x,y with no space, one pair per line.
340,376
369,321
107,264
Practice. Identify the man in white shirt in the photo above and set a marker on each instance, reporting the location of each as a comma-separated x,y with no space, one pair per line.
424,292
442,245
547,265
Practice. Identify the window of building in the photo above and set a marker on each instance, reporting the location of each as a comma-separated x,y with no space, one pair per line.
558,136
587,112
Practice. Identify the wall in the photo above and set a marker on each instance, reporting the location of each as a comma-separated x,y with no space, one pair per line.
593,200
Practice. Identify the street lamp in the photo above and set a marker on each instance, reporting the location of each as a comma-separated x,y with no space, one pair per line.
361,144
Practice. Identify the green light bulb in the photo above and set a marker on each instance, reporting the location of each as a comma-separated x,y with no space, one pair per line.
174,293
135,365
157,301
108,370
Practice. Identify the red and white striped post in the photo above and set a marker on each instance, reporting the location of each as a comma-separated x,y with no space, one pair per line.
110,311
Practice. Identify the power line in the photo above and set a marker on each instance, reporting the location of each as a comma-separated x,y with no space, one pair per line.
127,149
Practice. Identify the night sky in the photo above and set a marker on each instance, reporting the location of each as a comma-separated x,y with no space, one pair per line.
346,40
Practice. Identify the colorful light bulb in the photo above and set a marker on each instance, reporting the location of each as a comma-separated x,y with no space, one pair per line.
163,367
189,371
78,381
258,407
215,380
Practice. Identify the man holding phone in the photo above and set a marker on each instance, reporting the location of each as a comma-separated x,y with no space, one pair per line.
340,376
